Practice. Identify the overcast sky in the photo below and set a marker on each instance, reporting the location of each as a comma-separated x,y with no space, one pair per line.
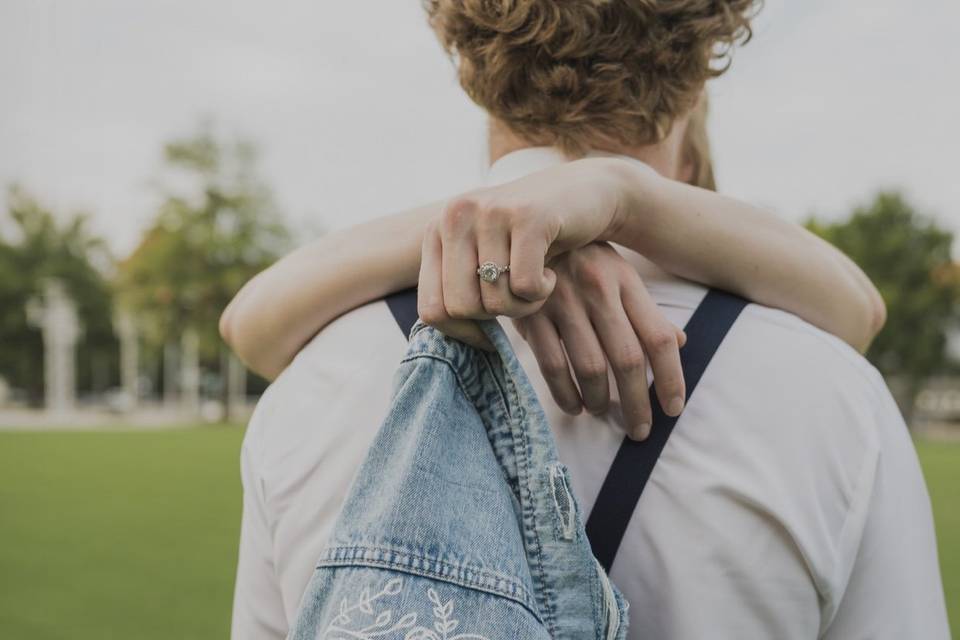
358,112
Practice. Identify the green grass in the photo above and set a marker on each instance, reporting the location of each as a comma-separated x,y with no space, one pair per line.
118,535
941,466
134,534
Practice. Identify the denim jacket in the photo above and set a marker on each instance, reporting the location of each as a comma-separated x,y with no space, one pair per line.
460,524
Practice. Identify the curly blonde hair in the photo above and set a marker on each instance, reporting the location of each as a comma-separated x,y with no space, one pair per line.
586,73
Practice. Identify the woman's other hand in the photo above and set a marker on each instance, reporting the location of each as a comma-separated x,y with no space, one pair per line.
601,315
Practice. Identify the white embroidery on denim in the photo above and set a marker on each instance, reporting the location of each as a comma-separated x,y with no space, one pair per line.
383,624
563,502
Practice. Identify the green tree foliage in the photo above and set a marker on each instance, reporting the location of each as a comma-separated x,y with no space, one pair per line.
909,258
37,246
213,232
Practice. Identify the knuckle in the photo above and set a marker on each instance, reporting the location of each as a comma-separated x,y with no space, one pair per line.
461,309
660,340
592,369
553,366
630,359
525,285
490,216
432,313
458,213
596,281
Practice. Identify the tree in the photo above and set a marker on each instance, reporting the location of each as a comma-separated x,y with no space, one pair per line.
909,258
212,233
37,247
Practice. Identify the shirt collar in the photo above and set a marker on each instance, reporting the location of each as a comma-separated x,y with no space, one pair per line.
522,162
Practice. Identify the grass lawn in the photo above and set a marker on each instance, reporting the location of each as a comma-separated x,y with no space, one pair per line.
134,534
941,466
118,535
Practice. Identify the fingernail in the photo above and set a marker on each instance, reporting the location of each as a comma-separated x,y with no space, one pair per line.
675,406
642,432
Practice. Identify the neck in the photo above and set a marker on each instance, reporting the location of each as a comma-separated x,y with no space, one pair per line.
665,157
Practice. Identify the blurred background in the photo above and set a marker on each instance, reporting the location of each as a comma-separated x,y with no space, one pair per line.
156,155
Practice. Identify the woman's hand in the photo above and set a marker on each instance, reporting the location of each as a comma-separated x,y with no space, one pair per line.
521,224
599,314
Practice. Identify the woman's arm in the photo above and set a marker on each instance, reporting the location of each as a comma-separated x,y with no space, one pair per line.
722,242
694,233
281,308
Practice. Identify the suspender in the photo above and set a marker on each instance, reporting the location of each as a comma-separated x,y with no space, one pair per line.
403,306
634,461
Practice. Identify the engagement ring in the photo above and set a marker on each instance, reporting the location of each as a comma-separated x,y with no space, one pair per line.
490,271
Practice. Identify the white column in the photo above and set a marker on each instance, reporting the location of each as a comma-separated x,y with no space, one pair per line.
170,374
127,333
190,371
56,315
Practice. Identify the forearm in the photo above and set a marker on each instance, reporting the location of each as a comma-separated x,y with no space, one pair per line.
722,242
279,310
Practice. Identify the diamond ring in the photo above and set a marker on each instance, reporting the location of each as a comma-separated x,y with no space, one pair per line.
490,271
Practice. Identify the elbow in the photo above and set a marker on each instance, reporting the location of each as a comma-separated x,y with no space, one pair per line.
239,337
878,314
873,318
226,326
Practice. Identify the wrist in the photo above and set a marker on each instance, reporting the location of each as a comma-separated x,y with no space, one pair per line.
634,186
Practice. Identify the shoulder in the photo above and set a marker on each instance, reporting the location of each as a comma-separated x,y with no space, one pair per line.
785,336
803,421
799,372
804,395
352,357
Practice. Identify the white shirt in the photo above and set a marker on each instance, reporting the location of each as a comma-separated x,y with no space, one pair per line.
788,503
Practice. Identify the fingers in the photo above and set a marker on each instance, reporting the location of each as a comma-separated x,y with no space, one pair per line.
430,302
430,305
544,341
497,298
625,353
586,357
458,265
529,278
661,341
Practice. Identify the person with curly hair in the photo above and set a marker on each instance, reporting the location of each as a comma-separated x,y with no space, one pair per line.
788,502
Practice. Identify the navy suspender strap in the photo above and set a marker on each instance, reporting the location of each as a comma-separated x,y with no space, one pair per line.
403,306
634,461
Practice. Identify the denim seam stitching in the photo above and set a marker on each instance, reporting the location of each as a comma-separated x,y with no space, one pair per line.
496,381
350,558
523,467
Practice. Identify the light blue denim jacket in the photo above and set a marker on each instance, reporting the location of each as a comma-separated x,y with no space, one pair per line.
460,524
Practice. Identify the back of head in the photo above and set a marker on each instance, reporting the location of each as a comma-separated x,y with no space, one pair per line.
589,73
